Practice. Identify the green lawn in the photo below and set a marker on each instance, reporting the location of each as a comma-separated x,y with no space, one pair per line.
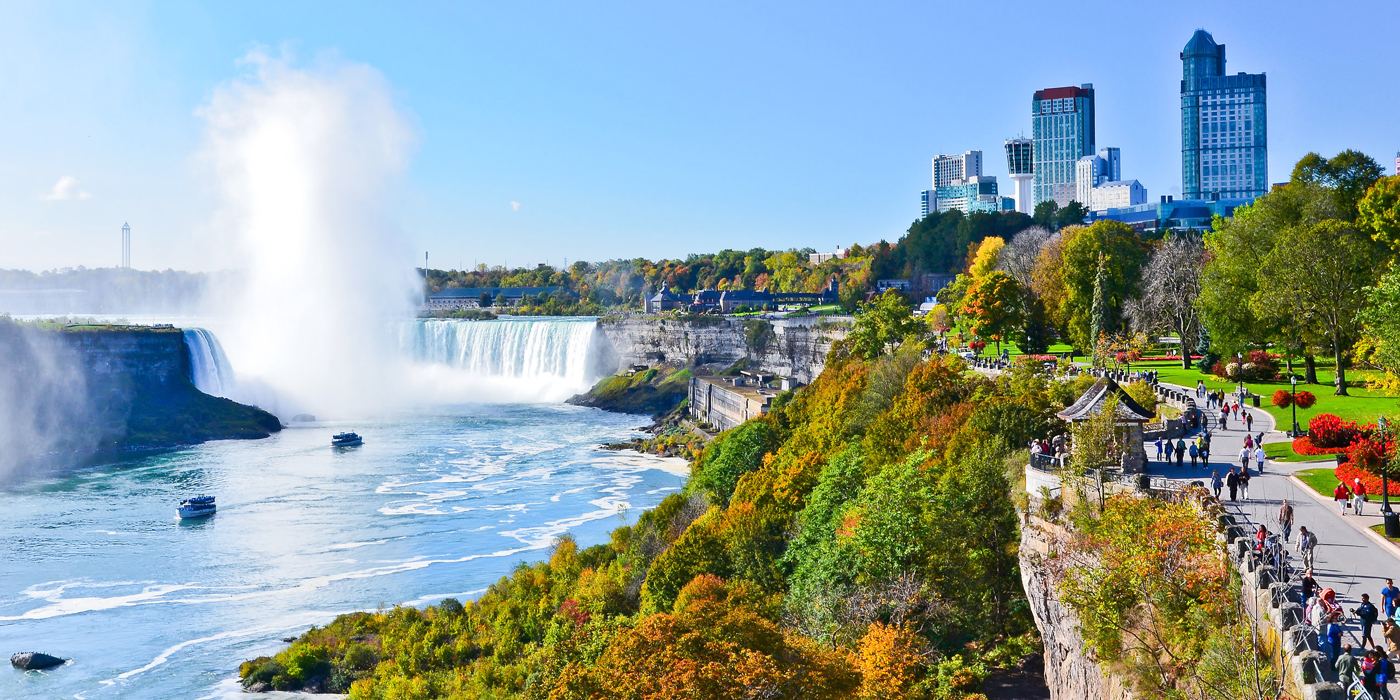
1322,479
1283,452
1361,405
1380,530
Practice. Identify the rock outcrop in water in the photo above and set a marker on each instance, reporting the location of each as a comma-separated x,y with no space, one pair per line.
72,394
33,661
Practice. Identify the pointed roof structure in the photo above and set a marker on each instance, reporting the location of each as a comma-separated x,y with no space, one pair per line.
1126,411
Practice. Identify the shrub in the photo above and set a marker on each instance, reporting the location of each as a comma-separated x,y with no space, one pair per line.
1265,365
1282,398
1305,399
1327,430
1366,454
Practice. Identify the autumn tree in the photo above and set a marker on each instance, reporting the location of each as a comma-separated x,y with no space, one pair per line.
882,324
1125,252
1379,211
993,306
1171,283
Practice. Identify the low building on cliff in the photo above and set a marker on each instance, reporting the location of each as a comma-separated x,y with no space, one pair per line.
727,402
664,301
472,297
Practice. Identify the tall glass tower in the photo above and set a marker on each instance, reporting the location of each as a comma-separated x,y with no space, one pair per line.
1062,125
1224,126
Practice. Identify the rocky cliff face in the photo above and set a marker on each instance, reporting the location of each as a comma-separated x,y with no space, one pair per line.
70,395
1069,673
794,348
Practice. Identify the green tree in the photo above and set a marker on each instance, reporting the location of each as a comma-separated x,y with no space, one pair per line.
1379,211
1046,214
882,324
1346,175
1071,215
1382,319
1099,317
1126,253
1319,274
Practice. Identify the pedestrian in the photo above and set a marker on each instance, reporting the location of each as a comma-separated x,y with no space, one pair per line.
1171,447
1390,597
1366,613
1259,457
1194,454
1248,441
1244,459
1244,484
1180,452
1384,670
1331,640
1348,668
1307,544
1248,420
1158,443
1358,496
1391,632
1232,481
1342,497
1216,482
1285,519
1309,584
1222,421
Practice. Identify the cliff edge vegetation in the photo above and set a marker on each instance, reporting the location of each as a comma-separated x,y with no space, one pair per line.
860,540
655,391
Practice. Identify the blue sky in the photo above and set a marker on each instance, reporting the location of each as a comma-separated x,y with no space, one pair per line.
651,130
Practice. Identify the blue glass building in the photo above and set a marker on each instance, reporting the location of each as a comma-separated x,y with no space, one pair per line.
1224,126
1062,126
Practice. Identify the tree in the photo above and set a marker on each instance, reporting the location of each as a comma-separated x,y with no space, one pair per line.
986,258
1018,257
993,306
881,324
1048,280
1071,214
1125,252
1379,211
1171,282
1347,175
1099,318
1382,319
1319,273
1045,214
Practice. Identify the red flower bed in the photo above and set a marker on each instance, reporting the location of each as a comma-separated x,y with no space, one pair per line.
1347,473
1305,446
1327,430
1164,358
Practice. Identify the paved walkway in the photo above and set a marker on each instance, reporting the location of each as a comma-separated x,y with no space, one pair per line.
1346,560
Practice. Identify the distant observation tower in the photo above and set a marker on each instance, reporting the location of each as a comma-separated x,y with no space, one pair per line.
126,245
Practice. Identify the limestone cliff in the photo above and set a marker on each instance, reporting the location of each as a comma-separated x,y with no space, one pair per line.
794,347
69,395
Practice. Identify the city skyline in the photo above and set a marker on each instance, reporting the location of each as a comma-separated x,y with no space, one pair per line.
616,133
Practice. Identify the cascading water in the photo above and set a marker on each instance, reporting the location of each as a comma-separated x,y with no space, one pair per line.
544,359
209,367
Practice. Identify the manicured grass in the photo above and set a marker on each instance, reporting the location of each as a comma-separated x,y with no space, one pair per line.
1322,479
1362,405
1380,530
1283,452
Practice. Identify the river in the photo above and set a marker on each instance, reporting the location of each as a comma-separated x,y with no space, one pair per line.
440,501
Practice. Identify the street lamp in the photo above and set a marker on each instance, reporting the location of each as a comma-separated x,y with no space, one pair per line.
1293,378
1392,521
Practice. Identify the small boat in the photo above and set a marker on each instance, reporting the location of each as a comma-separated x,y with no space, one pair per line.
350,439
197,507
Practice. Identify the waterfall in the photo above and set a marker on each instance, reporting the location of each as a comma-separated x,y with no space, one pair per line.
209,367
559,351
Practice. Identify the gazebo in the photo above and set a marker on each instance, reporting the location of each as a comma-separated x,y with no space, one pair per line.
1129,416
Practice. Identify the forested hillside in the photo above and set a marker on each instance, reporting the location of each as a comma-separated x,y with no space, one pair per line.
858,541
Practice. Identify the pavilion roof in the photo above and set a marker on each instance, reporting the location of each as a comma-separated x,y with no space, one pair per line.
1126,411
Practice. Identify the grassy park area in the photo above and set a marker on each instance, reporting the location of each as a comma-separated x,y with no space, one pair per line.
1283,452
1322,479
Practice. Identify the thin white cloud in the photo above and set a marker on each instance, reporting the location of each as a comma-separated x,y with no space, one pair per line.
67,188
514,205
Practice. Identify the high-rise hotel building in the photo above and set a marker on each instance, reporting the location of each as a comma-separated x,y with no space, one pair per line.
1224,126
1062,126
1020,163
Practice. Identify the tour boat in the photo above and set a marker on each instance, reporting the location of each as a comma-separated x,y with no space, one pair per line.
346,440
197,507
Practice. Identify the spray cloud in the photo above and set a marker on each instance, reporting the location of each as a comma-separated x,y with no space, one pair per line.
305,158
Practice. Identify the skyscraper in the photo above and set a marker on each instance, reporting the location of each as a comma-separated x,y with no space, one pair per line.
1062,124
1224,126
1113,162
1020,164
949,170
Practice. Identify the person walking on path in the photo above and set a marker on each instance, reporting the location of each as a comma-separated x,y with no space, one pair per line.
1194,454
1244,484
1384,670
1216,482
1341,496
1224,414
1180,452
1309,585
1348,668
1358,496
1307,544
1331,639
1159,449
1391,632
1171,447
1244,459
1390,596
1367,614
1232,481
1285,519
1259,456
1248,420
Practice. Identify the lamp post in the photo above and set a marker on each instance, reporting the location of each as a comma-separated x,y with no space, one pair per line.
1293,378
1392,521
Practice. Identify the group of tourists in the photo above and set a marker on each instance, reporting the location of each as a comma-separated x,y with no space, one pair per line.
1369,667
1355,497
1237,481
1198,448
1055,449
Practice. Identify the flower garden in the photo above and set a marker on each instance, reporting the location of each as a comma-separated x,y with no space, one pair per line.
1360,450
